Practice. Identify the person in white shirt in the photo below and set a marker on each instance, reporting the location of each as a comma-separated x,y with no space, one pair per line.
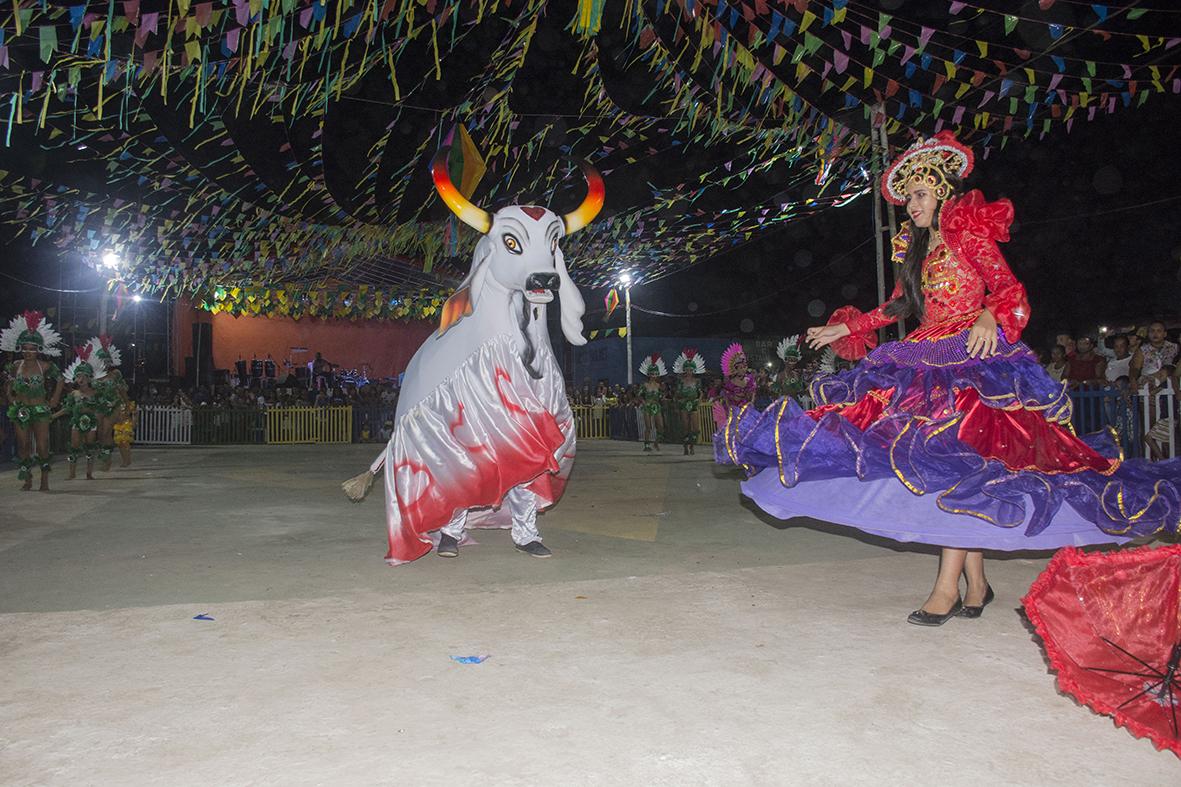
1153,355
1120,359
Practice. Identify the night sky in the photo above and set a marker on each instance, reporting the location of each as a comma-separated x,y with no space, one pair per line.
1084,259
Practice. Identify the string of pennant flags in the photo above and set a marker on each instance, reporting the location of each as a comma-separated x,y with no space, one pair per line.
210,163
607,333
925,81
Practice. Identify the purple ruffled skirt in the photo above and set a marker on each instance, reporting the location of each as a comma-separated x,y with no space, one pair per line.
908,476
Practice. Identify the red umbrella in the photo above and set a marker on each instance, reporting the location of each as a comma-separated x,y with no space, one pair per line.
1111,626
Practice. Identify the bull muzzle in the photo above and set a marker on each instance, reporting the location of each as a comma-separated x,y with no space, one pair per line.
542,281
541,287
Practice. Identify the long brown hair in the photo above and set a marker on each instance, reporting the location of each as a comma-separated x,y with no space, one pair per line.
911,302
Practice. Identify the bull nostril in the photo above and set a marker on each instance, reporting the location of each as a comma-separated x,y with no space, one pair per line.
542,281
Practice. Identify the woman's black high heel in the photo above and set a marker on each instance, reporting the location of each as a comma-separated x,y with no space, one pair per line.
921,617
975,612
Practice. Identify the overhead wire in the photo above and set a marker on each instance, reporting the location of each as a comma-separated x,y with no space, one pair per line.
772,294
19,280
850,252
1121,209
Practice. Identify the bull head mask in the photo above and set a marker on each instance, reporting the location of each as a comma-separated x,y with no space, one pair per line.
519,250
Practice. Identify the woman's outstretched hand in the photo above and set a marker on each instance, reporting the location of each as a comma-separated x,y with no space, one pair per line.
824,335
982,337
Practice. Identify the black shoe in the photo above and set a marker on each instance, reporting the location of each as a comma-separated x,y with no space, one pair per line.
535,549
448,546
975,612
647,447
923,618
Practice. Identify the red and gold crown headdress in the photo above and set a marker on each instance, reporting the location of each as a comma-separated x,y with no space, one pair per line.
932,162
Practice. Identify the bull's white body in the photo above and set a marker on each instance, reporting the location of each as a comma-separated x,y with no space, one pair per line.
483,407
438,357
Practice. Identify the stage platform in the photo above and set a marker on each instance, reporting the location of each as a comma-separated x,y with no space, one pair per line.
676,637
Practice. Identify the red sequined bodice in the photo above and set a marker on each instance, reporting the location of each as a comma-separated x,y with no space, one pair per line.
963,276
951,288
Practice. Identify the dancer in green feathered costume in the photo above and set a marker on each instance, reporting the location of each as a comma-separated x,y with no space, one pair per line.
788,380
112,395
652,392
688,365
82,406
33,390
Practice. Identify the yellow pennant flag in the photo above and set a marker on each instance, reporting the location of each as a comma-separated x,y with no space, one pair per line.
473,164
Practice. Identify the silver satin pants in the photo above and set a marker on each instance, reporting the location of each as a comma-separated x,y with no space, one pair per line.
522,504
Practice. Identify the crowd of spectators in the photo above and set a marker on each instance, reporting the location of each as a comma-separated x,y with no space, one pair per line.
1136,357
1119,366
262,397
255,385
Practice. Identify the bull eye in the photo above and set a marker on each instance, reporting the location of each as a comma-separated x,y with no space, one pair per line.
553,245
511,243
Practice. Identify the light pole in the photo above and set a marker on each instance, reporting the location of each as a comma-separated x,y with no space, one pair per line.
625,279
136,352
111,261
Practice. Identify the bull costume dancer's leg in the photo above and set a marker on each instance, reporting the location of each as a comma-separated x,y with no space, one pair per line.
522,505
451,534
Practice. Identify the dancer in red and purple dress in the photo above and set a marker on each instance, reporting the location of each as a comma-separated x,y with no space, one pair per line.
954,436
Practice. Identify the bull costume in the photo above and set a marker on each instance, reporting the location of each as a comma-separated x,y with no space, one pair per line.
928,442
483,434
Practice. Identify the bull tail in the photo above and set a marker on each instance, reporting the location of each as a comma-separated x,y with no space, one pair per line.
359,485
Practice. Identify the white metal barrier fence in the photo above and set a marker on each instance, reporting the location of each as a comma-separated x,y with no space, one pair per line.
158,425
1160,422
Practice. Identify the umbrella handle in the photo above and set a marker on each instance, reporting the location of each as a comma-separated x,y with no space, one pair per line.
1171,670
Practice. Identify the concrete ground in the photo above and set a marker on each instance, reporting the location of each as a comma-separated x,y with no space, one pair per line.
675,638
